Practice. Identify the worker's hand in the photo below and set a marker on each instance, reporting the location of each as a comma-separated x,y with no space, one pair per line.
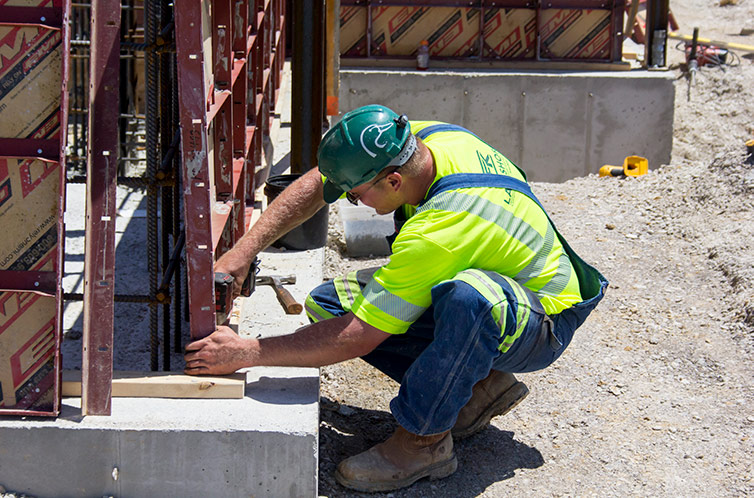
235,266
222,352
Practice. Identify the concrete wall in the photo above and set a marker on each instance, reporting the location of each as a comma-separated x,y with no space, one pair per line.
555,125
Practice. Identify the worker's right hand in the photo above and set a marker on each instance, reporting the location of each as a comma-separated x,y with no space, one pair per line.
220,353
235,266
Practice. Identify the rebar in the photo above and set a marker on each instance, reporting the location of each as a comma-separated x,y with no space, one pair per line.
151,18
118,298
166,133
149,136
128,181
177,232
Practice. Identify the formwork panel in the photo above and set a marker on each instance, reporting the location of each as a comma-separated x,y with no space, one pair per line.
563,30
226,95
27,352
510,33
353,31
33,77
29,331
575,33
30,61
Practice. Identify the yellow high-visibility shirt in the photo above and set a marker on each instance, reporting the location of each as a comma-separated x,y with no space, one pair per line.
486,228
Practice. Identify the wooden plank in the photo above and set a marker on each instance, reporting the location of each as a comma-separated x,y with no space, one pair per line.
128,384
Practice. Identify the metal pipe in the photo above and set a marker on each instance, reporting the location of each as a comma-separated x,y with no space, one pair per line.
307,79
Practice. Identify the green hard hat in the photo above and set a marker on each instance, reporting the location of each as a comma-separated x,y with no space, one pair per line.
363,143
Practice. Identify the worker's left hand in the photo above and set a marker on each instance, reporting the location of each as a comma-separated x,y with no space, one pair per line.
222,352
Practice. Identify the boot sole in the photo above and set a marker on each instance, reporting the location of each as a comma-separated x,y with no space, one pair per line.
505,403
435,471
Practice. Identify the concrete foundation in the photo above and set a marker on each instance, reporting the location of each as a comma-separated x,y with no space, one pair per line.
555,125
265,444
260,445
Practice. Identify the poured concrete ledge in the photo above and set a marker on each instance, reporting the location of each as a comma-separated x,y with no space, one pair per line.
262,445
265,444
556,125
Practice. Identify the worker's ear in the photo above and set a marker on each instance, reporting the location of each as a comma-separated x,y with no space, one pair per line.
394,180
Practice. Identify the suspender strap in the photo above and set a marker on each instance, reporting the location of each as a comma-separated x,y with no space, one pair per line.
469,180
441,127
590,280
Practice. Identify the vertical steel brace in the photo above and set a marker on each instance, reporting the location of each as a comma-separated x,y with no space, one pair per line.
102,171
226,97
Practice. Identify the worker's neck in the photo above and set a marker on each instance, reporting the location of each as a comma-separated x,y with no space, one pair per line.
425,178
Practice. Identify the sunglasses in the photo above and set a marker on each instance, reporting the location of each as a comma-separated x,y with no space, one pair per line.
354,198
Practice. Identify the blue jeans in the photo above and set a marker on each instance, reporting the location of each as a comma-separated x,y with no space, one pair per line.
455,344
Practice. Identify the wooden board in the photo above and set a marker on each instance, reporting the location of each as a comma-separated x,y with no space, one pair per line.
163,385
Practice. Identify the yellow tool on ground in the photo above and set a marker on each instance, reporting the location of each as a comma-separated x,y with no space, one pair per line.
632,166
706,41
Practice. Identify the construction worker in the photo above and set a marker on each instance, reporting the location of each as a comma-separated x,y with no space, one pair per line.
479,286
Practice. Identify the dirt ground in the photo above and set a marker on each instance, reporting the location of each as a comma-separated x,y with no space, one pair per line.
654,395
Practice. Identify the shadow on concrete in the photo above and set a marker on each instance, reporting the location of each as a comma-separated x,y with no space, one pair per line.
488,457
132,328
282,166
283,391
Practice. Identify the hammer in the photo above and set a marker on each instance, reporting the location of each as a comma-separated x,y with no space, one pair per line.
286,299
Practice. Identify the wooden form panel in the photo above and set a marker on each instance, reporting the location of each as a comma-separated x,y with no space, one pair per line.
560,30
34,43
230,57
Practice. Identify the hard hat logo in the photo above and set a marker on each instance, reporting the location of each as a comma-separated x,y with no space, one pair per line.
375,130
377,143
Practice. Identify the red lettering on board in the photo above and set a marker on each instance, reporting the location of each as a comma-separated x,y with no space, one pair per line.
42,344
31,179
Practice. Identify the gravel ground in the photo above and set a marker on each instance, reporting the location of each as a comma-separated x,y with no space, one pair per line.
653,396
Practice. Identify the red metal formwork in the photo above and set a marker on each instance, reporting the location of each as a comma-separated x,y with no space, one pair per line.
230,56
102,170
34,42
484,30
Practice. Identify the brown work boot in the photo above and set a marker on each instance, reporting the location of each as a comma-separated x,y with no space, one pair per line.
399,462
495,395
